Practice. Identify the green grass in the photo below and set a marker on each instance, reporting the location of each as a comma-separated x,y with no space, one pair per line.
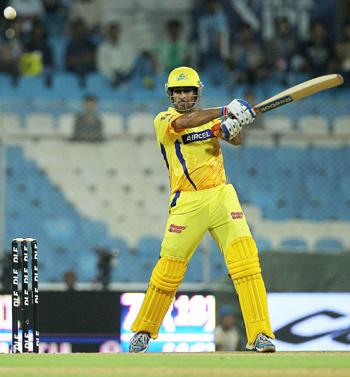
238,364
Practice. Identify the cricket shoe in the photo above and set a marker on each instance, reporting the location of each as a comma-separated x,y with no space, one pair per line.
139,342
262,344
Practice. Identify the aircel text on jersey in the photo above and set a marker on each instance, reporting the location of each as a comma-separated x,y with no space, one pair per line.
197,136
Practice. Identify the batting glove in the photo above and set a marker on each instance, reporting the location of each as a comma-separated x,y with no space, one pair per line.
240,110
230,128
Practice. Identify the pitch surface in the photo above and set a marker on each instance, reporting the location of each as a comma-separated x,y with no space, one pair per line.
237,364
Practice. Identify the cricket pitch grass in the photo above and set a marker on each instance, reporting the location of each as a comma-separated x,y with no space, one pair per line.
236,364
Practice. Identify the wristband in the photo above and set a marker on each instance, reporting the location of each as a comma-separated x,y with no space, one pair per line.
223,110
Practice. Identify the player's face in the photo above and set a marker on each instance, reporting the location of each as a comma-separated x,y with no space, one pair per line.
184,98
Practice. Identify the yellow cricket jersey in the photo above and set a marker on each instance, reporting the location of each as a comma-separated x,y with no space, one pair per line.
193,155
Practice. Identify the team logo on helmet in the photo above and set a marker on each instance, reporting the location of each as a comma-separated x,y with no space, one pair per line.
181,76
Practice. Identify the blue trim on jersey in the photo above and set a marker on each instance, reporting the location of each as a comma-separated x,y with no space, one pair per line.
162,149
183,162
176,196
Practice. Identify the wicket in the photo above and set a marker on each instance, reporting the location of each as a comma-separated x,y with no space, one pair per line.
22,305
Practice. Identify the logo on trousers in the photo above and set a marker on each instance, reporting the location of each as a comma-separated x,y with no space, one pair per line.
176,228
237,215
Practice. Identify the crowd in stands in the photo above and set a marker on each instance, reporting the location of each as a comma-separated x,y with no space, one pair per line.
207,43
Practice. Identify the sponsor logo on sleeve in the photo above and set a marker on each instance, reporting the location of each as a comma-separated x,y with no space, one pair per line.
167,115
197,136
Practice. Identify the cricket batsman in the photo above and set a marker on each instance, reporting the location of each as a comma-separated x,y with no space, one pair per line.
201,200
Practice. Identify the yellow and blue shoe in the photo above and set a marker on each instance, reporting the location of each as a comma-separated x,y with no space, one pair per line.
262,344
139,342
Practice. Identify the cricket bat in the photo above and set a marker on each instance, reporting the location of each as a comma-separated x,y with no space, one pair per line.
297,92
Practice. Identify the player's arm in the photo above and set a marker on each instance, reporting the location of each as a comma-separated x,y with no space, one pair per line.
197,118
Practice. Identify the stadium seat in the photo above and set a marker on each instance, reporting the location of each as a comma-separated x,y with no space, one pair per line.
5,82
341,125
140,124
329,245
218,269
313,124
10,125
149,248
194,273
40,124
98,85
30,86
63,81
278,124
66,125
294,244
263,244
113,123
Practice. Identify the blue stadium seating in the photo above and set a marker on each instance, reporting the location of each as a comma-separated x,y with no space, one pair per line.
218,269
194,272
6,85
285,182
148,253
294,244
64,80
263,244
329,245
64,243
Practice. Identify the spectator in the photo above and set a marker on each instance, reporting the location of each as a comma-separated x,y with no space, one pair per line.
70,280
213,40
172,52
213,32
227,335
281,49
38,43
106,261
89,11
56,16
28,12
11,50
318,51
343,53
145,69
80,52
88,125
247,57
115,57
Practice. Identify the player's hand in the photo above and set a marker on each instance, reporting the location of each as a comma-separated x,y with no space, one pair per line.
230,128
242,111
